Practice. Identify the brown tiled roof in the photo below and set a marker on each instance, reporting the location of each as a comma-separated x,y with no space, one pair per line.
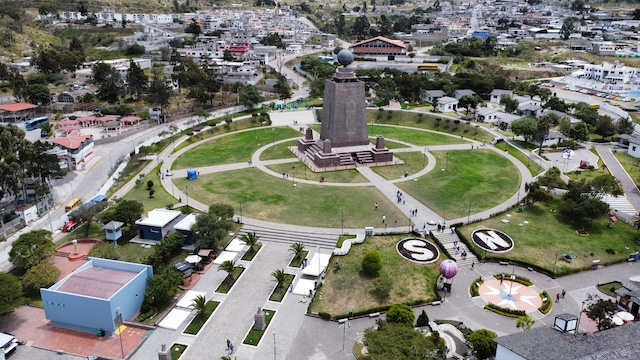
381,38
377,50
72,140
17,107
97,282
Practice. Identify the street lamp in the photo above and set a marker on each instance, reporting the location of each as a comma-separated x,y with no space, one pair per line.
274,345
513,277
293,175
345,328
469,213
342,232
446,164
273,135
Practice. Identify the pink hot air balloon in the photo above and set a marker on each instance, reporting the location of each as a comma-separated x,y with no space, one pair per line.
448,269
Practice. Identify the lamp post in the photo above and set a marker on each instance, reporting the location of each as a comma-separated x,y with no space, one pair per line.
274,345
469,213
293,175
342,222
579,316
513,277
273,135
345,328
446,164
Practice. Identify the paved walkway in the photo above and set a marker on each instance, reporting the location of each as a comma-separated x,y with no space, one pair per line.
616,169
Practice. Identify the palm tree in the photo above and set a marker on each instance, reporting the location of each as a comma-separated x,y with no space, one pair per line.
199,303
525,322
250,239
229,266
298,248
280,276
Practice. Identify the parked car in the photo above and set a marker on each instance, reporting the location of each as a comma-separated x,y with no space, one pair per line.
71,225
8,343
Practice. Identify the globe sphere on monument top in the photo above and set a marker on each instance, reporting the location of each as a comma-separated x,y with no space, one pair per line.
345,57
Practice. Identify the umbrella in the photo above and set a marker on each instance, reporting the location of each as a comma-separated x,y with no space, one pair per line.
448,268
193,259
616,320
625,316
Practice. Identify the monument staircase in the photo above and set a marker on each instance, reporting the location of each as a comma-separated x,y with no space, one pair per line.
346,160
66,254
447,240
290,236
313,150
364,157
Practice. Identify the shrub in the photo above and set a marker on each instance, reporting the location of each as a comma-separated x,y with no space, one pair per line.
40,276
504,311
475,285
610,251
423,319
519,279
372,263
382,288
400,314
546,305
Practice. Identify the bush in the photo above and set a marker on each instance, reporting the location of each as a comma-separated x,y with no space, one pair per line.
400,314
475,285
382,288
423,319
104,251
546,305
504,311
372,263
40,276
519,279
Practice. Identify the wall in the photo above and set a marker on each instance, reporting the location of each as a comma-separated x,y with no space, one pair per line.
150,232
505,354
77,312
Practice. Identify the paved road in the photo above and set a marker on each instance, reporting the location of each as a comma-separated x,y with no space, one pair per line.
616,169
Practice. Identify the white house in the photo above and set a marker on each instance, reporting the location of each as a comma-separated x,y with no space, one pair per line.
609,73
447,104
431,96
553,138
487,114
633,143
463,92
497,94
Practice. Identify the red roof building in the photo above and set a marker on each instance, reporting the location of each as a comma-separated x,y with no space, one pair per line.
379,45
17,112
75,150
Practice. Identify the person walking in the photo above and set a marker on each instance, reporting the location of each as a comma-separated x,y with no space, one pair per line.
563,293
473,262
383,218
376,205
228,344
558,297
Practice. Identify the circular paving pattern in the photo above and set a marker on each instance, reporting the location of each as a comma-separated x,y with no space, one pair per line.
510,295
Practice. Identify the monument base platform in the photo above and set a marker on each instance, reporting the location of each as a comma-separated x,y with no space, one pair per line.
341,158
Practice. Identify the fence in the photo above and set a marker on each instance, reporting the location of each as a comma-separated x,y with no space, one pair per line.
10,228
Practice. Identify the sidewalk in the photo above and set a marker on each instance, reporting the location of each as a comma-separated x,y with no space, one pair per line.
616,169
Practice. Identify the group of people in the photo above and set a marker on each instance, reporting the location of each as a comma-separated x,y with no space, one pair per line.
400,197
413,212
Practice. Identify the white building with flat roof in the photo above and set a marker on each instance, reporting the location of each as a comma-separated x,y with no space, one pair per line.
609,73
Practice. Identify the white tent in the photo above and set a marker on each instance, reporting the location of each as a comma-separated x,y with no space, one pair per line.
317,265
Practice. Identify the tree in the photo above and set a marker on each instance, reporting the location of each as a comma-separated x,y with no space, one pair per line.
468,101
134,49
128,211
579,132
567,27
227,55
111,88
40,276
625,126
483,345
210,228
510,104
555,103
137,80
586,113
361,27
10,293
159,93
402,342
525,322
297,249
162,286
101,72
535,193
580,204
280,277
283,87
149,184
199,304
38,94
604,127
372,263
201,113
542,130
222,211
228,266
47,60
423,319
601,311
400,314
251,239
606,184
273,39
31,249
525,127
250,96
193,28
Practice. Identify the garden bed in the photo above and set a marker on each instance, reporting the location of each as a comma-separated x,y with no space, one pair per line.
252,252
296,262
228,282
254,335
279,292
177,350
198,322
610,288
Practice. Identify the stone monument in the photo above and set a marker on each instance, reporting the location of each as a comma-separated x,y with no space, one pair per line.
344,137
259,320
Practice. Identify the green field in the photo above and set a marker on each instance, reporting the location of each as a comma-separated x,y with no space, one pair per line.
271,198
547,234
348,288
531,164
279,151
476,179
233,148
302,172
414,161
161,198
416,137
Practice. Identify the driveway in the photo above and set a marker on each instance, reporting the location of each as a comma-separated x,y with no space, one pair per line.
568,165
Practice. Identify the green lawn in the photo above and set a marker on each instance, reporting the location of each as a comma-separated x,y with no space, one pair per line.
531,164
254,336
416,137
296,262
480,179
233,148
279,151
279,292
610,288
348,288
390,144
548,234
414,161
198,322
161,198
177,350
630,164
228,282
270,198
302,172
218,130
251,253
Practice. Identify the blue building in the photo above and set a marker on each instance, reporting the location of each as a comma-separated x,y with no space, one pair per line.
157,224
113,230
184,226
92,296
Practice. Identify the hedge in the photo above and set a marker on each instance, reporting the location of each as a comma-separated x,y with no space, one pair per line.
546,305
475,285
519,279
504,311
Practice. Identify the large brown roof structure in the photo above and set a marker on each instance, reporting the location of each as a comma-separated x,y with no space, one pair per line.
97,282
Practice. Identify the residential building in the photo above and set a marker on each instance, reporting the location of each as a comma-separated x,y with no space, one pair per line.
74,150
432,96
487,115
497,94
463,92
606,48
94,295
628,296
379,45
447,104
157,223
632,142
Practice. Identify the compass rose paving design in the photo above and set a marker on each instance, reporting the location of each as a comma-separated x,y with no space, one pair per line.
511,295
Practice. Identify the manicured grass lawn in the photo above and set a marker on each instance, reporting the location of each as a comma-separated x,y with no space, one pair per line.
270,198
177,350
610,288
233,148
532,165
415,137
228,282
161,198
390,144
414,161
547,234
296,262
481,178
198,322
342,176
412,119
279,292
251,253
254,336
218,130
279,151
587,175
348,288
630,164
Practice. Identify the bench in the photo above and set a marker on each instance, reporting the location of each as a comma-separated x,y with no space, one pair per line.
375,314
505,263
436,302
